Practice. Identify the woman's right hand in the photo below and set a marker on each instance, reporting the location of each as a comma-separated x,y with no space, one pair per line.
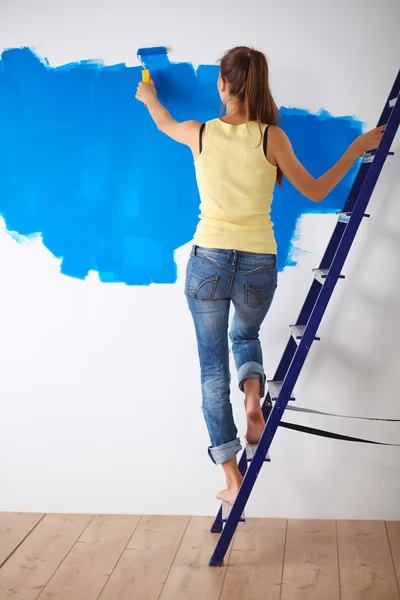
368,141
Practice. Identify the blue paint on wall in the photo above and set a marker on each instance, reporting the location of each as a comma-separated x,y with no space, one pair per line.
82,163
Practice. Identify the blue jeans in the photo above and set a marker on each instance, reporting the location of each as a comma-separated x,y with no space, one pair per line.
214,278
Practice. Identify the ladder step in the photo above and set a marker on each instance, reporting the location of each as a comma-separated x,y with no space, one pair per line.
226,511
251,450
344,217
369,156
274,388
298,332
321,274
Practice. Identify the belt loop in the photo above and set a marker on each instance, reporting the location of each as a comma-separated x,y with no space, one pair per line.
194,250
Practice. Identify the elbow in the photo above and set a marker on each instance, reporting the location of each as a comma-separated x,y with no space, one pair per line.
161,126
316,194
316,197
164,125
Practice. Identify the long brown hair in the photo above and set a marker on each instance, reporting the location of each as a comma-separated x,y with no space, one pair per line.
246,72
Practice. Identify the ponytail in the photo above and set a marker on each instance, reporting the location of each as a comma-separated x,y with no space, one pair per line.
246,71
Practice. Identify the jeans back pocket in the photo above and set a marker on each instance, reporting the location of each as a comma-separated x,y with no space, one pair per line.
201,281
261,289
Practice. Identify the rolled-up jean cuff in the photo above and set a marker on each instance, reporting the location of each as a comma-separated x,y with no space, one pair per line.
221,454
251,370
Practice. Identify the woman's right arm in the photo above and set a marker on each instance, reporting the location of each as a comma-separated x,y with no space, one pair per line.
309,186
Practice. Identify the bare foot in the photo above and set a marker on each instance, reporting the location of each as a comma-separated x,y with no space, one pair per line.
255,420
234,480
229,495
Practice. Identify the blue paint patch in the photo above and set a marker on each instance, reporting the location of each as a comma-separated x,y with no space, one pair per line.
82,163
318,142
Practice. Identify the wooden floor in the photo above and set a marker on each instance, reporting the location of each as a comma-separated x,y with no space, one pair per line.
105,557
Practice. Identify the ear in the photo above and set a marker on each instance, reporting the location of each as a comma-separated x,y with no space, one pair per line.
223,84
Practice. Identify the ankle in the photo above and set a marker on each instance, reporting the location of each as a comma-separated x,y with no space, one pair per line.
252,398
233,479
252,387
234,484
252,403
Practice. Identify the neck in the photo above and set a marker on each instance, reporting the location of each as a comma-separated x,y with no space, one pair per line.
235,112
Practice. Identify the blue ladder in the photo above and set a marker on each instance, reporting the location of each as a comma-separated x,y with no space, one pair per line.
304,332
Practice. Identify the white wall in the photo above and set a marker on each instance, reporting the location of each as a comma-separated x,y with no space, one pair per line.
100,407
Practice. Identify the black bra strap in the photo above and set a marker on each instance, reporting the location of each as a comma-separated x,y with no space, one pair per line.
265,142
201,137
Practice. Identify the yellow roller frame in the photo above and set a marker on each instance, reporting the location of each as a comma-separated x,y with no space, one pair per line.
146,77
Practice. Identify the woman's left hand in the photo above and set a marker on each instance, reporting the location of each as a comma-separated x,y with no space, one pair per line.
146,92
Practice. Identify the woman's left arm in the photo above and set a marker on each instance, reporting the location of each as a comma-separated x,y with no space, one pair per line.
186,132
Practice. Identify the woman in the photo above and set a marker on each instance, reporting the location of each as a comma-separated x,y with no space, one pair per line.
238,159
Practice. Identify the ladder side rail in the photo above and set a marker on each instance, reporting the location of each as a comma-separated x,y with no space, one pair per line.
358,181
308,338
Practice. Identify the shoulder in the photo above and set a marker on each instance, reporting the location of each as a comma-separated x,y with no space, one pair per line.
278,138
276,133
188,133
192,125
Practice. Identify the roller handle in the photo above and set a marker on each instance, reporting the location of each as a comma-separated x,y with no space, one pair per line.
146,77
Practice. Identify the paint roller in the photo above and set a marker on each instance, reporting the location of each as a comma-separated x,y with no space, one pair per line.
152,57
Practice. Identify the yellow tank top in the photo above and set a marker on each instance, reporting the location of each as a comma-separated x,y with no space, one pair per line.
236,184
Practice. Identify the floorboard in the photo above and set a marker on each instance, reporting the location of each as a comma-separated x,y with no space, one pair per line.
393,530
310,570
30,567
85,571
190,577
14,527
117,557
144,566
255,566
365,561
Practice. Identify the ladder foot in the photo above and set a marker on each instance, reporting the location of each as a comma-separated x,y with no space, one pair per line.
216,527
215,563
